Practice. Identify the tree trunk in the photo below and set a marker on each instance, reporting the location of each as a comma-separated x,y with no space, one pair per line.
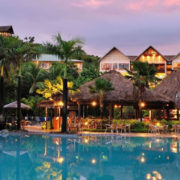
178,114
1,95
19,104
65,100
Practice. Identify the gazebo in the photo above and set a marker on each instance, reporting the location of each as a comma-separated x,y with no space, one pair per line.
124,93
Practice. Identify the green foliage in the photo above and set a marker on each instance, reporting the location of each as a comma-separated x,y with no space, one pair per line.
65,50
142,75
87,75
32,75
101,86
32,101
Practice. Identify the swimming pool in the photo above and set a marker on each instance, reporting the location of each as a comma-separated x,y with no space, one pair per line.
31,157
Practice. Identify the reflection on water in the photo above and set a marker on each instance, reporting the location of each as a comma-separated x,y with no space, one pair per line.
89,158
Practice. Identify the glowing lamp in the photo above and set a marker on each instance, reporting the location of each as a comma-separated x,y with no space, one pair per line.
94,103
142,104
60,103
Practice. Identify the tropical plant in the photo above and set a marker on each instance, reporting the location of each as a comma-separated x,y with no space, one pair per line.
101,87
142,75
19,52
49,88
65,50
32,75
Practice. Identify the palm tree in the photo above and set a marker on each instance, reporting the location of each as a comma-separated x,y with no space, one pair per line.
65,50
101,87
20,52
33,75
142,75
5,62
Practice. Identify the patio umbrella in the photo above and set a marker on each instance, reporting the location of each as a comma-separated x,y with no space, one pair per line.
13,105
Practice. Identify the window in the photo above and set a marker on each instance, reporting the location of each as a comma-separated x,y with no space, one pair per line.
123,66
106,66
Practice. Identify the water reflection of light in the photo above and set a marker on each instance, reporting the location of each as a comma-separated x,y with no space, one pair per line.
86,140
60,160
142,159
93,161
157,140
155,175
150,145
174,147
167,157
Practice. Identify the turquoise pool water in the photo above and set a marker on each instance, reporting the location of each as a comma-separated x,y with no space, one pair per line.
88,158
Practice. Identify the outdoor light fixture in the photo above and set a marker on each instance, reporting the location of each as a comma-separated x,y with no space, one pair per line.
60,103
142,104
117,106
94,103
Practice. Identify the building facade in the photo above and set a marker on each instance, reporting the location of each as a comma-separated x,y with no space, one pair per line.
116,60
45,61
6,30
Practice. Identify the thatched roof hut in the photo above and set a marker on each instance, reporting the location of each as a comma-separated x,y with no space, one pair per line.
170,87
123,92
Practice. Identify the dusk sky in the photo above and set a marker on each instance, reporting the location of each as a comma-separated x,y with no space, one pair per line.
130,25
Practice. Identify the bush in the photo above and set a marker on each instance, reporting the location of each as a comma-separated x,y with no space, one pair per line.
139,127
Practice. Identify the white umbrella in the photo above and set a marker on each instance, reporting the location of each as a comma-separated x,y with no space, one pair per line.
13,105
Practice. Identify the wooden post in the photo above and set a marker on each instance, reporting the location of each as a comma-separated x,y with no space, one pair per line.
110,112
122,112
79,111
46,115
178,114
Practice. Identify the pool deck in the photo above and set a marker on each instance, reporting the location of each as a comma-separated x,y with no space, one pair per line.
38,130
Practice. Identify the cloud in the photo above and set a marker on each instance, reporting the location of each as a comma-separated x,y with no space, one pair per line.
142,5
171,3
92,3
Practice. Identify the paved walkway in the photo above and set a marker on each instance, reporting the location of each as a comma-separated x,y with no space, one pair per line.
37,129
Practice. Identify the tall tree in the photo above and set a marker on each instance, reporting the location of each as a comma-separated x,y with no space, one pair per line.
32,75
142,75
101,87
5,64
65,50
20,52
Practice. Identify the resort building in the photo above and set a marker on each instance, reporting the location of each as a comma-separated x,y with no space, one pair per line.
116,60
45,61
6,30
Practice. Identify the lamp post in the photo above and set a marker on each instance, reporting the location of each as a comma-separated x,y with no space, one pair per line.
176,102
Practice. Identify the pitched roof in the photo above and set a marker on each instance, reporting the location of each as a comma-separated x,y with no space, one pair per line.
151,47
7,29
52,58
113,49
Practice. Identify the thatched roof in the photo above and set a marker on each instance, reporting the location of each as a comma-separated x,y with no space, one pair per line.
170,86
13,105
7,29
123,92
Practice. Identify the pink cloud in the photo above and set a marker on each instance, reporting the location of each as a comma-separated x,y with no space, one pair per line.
92,3
142,5
170,3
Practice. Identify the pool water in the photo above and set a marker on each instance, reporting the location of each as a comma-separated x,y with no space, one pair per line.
34,157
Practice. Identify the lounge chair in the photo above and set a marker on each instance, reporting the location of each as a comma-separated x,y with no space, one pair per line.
112,127
154,129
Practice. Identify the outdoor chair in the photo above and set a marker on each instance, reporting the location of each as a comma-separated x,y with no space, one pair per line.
153,129
128,127
121,128
176,128
111,127
164,129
